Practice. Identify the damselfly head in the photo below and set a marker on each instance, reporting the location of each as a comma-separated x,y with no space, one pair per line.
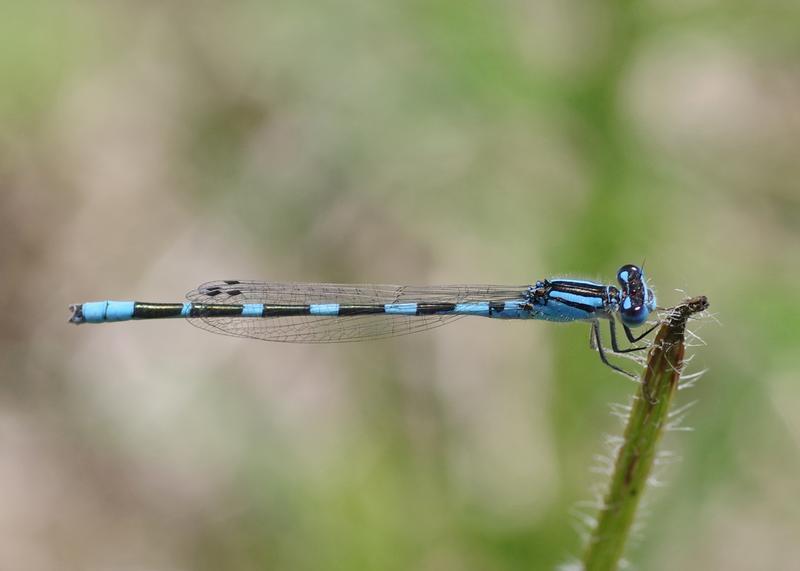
636,299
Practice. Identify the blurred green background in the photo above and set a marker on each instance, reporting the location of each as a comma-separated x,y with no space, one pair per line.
146,147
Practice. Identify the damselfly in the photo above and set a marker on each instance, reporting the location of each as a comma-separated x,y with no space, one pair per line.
331,313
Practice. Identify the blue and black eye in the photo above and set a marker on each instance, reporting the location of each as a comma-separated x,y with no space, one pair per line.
633,314
628,275
636,299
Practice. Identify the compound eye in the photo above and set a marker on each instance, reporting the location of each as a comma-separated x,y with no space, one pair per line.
627,274
633,314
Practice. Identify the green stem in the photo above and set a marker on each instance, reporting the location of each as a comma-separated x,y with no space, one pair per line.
646,423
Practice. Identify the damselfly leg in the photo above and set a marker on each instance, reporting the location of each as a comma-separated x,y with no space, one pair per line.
633,339
612,328
596,342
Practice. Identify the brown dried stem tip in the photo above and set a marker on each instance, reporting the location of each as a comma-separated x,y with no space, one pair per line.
649,415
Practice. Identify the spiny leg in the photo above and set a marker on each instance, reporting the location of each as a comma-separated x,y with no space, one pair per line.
601,352
612,327
630,336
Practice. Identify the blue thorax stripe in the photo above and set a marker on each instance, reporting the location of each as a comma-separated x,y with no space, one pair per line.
589,301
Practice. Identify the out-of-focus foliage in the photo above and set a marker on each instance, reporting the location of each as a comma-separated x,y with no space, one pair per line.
147,147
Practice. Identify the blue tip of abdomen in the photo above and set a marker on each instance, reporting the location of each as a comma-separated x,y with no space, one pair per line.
102,311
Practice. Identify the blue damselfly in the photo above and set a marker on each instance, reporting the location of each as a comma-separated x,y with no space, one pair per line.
331,313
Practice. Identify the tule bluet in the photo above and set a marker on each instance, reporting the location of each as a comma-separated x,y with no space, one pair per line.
331,313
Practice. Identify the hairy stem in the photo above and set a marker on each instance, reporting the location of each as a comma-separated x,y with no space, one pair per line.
648,417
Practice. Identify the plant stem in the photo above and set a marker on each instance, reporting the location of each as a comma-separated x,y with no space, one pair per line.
648,417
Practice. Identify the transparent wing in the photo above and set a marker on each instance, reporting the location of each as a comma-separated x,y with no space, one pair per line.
310,329
235,292
321,329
